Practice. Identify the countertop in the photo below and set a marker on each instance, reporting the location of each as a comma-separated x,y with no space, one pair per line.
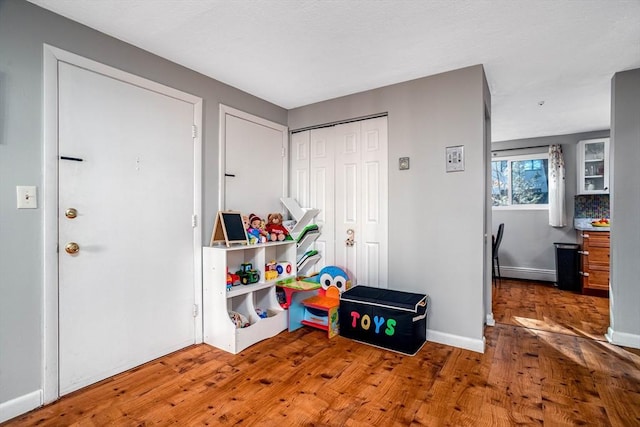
585,225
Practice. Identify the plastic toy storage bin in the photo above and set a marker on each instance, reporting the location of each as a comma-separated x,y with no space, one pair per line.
394,320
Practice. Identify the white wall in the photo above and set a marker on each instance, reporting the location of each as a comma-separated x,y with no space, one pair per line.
436,219
625,212
24,28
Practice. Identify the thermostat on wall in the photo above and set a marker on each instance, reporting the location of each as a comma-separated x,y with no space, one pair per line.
455,158
403,163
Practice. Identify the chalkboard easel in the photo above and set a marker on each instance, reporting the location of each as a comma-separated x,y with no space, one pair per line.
229,229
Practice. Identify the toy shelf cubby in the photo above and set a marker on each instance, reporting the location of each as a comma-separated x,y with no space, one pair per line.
301,233
219,330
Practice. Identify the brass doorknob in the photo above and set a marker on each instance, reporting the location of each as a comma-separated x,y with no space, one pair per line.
72,248
71,213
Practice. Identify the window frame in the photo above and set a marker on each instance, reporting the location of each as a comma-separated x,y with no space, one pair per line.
516,158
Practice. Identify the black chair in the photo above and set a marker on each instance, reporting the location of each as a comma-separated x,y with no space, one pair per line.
495,262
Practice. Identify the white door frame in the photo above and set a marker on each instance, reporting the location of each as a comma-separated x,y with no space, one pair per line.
50,309
222,156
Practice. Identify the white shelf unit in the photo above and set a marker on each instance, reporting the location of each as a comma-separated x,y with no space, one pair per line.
303,218
219,330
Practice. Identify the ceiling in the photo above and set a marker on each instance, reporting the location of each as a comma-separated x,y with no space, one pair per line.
549,63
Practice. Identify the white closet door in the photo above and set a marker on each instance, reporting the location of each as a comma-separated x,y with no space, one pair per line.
348,181
361,194
373,242
299,181
321,191
348,197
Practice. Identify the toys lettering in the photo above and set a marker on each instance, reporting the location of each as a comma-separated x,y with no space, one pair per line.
378,321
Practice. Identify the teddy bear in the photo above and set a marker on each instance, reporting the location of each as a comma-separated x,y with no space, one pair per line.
276,230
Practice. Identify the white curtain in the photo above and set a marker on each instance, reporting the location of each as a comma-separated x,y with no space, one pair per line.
557,215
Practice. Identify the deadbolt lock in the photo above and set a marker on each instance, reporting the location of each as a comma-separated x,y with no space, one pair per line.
71,213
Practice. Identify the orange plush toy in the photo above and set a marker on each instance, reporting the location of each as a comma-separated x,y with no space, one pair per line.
276,230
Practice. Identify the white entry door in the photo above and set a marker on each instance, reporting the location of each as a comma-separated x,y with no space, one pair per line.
126,198
346,177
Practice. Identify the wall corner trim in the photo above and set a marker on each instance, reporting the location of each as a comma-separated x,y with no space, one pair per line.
490,321
622,338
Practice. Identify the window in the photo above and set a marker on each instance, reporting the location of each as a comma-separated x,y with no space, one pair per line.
520,181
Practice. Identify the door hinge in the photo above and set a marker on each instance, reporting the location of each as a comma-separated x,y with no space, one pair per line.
284,151
194,131
195,310
194,221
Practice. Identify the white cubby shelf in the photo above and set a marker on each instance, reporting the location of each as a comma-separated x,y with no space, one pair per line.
219,330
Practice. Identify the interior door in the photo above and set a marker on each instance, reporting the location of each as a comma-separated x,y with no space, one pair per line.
348,198
255,164
126,198
321,191
361,199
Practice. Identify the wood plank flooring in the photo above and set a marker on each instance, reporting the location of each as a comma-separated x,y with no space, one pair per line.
541,306
546,363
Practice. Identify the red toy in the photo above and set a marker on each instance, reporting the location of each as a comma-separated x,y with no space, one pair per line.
276,230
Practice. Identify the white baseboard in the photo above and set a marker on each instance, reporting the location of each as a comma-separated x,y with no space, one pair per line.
528,273
18,406
456,341
622,338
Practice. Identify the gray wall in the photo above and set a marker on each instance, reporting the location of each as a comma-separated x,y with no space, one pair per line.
23,29
532,226
625,208
436,228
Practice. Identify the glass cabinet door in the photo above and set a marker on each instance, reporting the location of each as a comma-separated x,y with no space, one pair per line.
593,166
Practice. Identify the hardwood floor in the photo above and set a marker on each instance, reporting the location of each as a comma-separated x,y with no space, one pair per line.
541,306
546,362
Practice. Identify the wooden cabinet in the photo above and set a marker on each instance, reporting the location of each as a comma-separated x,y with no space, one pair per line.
594,262
593,166
248,300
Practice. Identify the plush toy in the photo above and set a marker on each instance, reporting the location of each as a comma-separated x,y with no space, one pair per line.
276,230
256,229
252,234
239,320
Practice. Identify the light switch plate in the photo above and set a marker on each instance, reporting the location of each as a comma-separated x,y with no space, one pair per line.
455,158
27,197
